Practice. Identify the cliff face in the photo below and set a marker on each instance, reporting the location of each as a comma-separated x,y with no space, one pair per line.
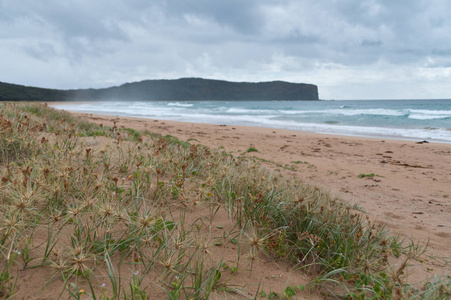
185,89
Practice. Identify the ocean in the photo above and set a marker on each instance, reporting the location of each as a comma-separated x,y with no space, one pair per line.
397,119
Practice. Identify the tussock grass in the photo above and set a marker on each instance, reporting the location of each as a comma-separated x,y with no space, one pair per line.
107,212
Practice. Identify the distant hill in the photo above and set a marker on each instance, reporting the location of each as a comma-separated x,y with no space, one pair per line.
14,92
184,89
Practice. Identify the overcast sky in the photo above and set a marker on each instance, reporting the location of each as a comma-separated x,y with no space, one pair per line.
351,49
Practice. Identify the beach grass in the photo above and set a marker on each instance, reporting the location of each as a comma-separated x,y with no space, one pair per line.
108,213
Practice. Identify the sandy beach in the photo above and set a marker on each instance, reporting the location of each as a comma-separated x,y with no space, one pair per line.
403,184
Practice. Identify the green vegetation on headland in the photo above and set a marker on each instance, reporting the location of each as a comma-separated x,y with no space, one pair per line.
109,213
184,89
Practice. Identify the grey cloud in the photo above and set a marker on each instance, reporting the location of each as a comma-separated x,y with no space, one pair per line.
241,16
71,19
80,28
255,39
371,43
445,52
41,51
295,36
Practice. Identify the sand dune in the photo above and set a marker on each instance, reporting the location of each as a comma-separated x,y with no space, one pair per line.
403,184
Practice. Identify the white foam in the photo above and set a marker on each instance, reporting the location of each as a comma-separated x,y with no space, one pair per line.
347,112
299,112
371,111
423,114
431,112
180,104
428,117
235,110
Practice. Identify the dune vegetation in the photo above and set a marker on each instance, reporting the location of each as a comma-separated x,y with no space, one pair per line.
95,212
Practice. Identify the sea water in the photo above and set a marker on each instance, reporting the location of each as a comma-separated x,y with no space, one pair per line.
399,119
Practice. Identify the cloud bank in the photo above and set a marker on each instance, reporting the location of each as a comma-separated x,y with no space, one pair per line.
351,49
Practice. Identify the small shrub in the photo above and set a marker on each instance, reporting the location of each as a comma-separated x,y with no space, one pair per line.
367,175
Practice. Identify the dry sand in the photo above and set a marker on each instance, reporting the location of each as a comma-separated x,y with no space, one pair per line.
410,192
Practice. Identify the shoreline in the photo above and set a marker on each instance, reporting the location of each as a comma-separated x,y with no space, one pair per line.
401,184
373,132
